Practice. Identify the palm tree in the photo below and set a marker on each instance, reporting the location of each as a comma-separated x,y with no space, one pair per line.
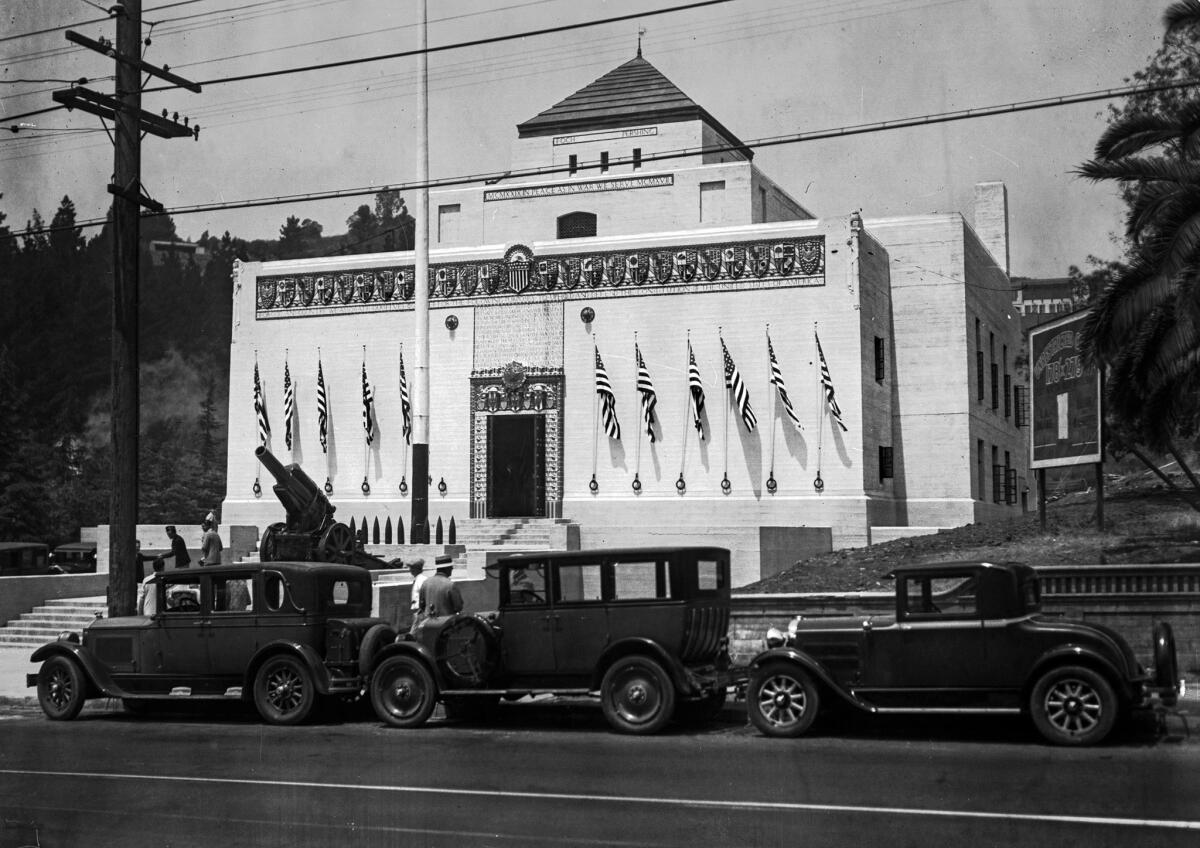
1144,327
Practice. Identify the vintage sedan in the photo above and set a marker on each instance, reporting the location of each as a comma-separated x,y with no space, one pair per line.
967,637
641,629
281,634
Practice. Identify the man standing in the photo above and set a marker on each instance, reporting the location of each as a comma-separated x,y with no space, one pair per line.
416,568
439,596
147,597
210,546
178,548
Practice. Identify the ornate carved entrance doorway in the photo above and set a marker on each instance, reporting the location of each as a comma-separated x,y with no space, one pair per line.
516,442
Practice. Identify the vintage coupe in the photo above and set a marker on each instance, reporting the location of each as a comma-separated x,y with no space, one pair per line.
642,629
280,633
967,637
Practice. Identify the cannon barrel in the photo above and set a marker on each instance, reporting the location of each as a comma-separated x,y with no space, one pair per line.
307,507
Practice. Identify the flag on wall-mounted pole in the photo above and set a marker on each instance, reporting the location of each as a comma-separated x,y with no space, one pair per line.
741,395
696,388
289,405
608,401
260,409
368,406
322,409
780,388
646,389
405,406
827,382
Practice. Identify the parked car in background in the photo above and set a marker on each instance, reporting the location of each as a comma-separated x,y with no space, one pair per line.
642,630
19,559
280,634
74,558
966,637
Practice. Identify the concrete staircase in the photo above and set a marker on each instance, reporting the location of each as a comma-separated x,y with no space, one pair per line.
44,623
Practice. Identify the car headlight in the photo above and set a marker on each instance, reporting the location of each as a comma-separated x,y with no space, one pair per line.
68,636
794,625
775,638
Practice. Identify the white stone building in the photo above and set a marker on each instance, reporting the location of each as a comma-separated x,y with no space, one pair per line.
646,219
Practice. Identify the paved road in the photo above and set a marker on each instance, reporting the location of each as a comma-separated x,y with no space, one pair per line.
539,776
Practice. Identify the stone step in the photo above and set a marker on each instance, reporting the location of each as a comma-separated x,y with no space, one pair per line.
48,617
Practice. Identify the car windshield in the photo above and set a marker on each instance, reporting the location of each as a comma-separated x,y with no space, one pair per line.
944,595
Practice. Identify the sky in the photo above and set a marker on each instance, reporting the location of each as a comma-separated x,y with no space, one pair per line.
763,68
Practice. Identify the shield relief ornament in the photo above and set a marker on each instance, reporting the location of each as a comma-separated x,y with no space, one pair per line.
760,260
685,265
266,293
662,267
710,263
809,256
735,261
287,291
568,271
638,267
306,287
385,281
614,269
784,256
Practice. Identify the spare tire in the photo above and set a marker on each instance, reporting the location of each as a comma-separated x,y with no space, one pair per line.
1166,664
467,651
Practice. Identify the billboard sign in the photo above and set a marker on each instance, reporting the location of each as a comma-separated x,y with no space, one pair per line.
1064,397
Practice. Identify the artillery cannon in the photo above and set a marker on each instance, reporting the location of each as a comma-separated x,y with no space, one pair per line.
310,533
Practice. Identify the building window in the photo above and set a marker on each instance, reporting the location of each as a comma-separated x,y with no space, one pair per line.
1021,405
448,223
995,386
762,204
576,225
979,467
573,163
997,477
886,464
1010,486
604,161
1007,395
637,158
979,381
880,360
711,195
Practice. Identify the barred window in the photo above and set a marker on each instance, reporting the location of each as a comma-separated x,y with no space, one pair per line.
577,225
886,465
880,360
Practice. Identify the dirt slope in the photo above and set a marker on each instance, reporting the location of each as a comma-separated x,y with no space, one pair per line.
1143,523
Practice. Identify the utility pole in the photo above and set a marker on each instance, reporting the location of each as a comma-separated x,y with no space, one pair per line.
420,489
124,109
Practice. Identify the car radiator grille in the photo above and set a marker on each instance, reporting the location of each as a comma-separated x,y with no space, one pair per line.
706,626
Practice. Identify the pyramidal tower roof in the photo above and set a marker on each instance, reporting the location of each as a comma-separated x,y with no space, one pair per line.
630,94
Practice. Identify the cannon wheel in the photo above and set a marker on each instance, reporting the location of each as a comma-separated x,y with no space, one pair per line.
336,544
268,548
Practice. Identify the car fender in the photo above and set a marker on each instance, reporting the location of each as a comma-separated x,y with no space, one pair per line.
642,645
98,679
412,648
813,667
1071,654
311,659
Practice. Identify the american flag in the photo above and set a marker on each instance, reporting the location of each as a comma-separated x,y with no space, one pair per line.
322,409
741,395
608,401
646,388
697,389
405,406
368,407
289,405
777,381
260,409
827,382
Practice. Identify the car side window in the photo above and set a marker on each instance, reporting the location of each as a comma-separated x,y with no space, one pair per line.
578,582
274,591
232,594
644,580
527,584
951,596
710,577
182,596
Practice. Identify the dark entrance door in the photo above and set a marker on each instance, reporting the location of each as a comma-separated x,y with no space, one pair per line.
516,465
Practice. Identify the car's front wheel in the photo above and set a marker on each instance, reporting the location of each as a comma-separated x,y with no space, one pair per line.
403,692
637,695
283,690
1073,705
61,688
782,699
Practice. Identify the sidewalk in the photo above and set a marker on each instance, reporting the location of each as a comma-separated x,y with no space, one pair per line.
14,665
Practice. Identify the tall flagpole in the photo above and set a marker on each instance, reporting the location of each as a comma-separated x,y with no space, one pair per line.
420,456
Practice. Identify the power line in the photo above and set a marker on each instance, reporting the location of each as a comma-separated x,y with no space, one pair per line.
794,138
92,21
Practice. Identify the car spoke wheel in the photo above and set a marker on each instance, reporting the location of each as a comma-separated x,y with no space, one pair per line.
637,696
283,690
782,699
1073,705
61,688
403,692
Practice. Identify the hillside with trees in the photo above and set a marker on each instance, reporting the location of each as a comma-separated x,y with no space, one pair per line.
55,342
